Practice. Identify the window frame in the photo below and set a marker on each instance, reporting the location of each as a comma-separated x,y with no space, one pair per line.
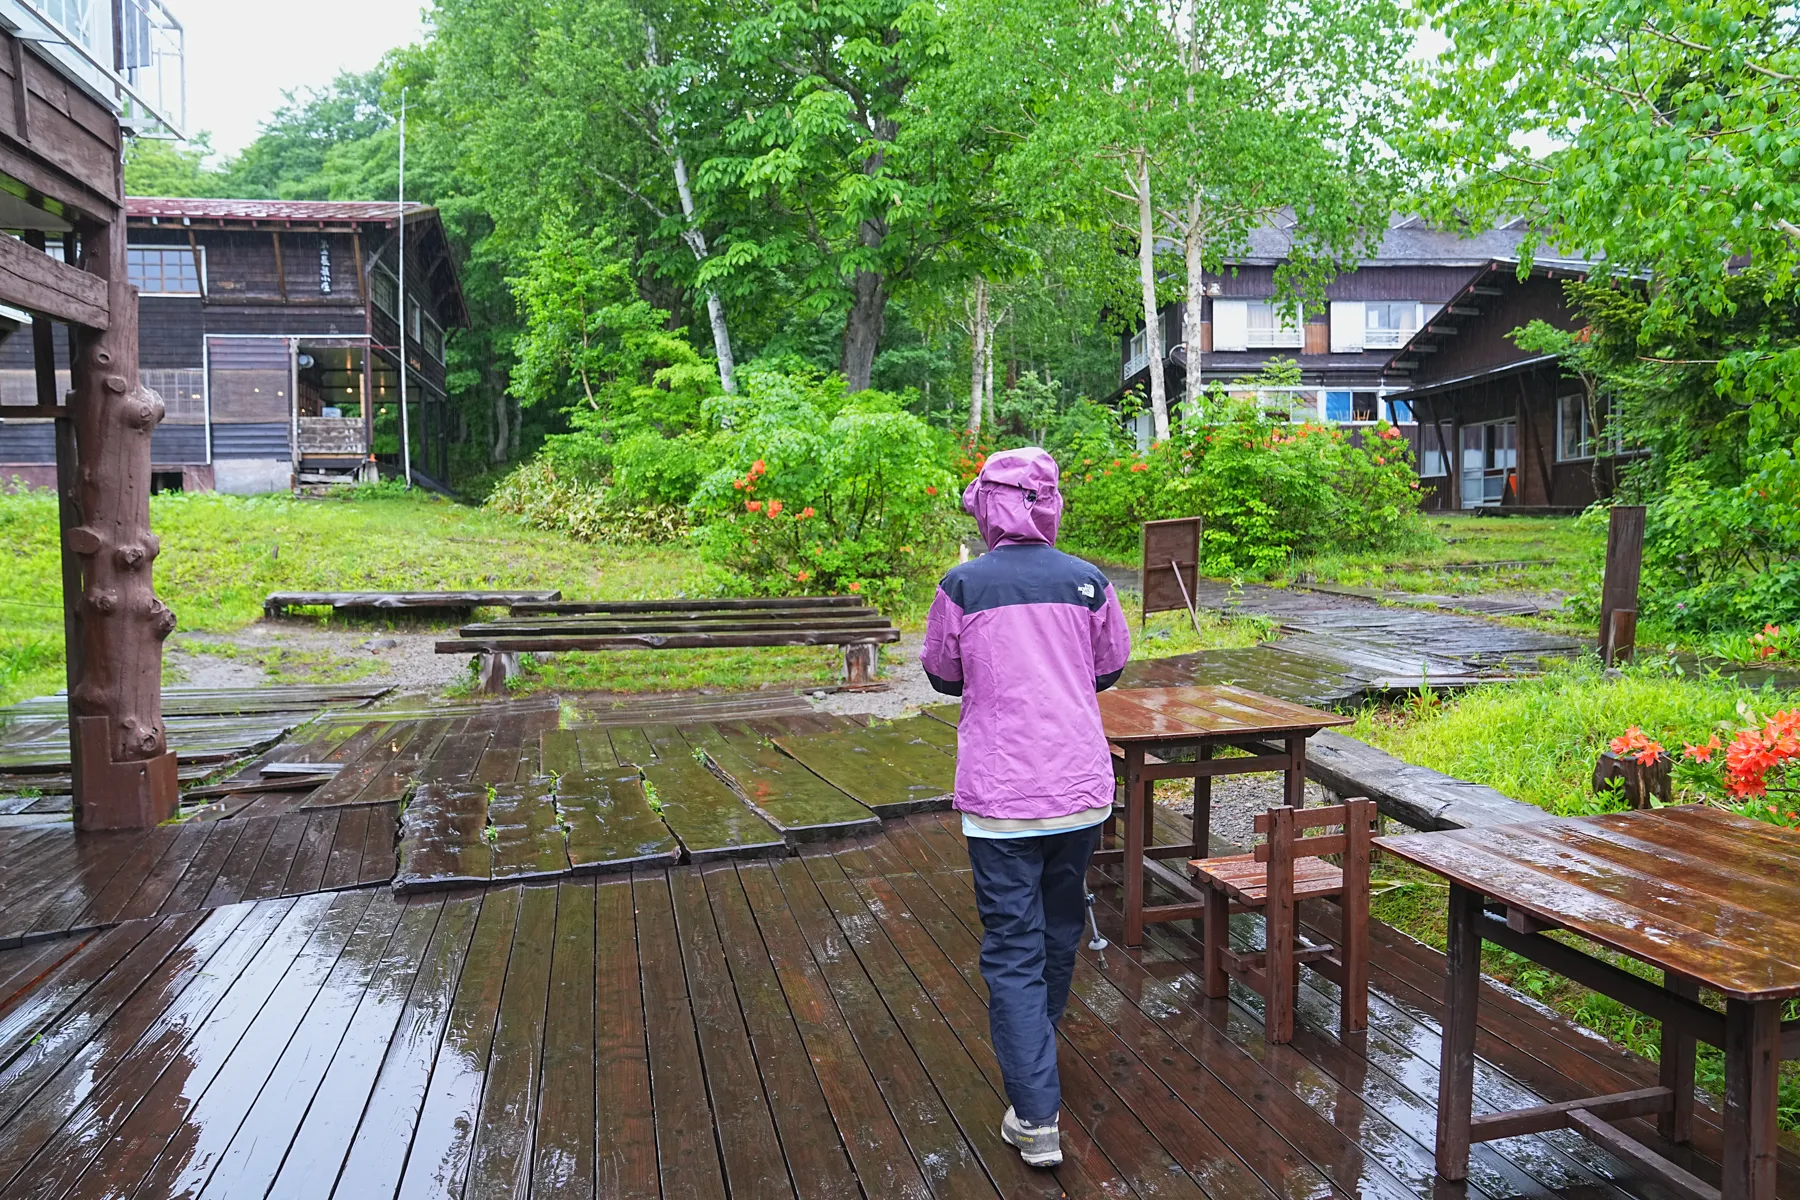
1594,443
186,254
1276,336
377,277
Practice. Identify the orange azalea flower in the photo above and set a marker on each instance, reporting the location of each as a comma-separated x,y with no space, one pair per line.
737,483
803,576
753,505
805,513
855,587
758,467
930,491
1702,752
1140,466
1772,630
1634,743
774,509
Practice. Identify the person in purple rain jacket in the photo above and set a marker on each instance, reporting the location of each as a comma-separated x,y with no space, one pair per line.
1027,635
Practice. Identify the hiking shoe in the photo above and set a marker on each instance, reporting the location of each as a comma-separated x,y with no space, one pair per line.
1038,1145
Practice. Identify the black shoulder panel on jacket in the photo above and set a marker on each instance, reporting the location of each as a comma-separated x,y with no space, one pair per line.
1028,574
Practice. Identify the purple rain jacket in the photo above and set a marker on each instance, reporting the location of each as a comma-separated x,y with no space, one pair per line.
1026,635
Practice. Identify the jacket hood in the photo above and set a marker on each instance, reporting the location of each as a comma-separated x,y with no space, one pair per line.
1015,498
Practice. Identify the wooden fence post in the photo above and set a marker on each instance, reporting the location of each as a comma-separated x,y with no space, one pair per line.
1619,591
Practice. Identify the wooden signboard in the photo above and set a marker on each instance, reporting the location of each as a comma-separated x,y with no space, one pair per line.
1171,570
1619,591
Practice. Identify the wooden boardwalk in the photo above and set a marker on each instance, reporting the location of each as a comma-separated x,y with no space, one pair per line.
813,1026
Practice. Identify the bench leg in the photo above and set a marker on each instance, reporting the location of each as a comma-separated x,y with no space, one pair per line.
493,672
1217,931
860,662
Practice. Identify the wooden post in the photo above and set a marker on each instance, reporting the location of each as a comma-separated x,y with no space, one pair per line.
1624,559
1456,1052
860,664
124,772
1676,1071
1752,1061
1280,971
1137,814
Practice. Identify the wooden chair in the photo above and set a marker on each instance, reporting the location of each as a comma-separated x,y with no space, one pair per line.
1275,877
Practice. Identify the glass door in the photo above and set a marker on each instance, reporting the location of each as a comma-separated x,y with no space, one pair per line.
1488,460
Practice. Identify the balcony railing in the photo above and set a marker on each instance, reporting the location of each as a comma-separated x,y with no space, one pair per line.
1135,363
1386,339
1273,339
129,55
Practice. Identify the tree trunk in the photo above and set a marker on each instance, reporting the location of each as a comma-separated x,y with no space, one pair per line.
977,343
1153,338
501,435
987,373
696,241
124,772
862,329
1193,248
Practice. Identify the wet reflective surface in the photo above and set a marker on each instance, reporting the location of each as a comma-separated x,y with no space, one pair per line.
809,1026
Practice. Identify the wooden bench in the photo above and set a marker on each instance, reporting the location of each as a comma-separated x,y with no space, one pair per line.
277,603
539,627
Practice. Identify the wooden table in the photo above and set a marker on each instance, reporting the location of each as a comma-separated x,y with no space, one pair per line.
1711,899
1145,725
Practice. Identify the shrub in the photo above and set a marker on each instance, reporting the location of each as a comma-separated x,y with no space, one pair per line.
540,496
650,469
1267,490
822,494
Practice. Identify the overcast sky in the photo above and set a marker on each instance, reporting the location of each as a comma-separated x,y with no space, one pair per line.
241,57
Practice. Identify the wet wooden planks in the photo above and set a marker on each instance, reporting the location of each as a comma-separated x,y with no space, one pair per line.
808,1027
891,771
59,882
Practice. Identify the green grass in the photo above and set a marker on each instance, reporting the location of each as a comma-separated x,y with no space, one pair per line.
1536,740
1171,633
785,668
1475,555
222,554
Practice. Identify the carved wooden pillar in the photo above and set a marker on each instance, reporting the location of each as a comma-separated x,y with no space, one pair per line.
124,772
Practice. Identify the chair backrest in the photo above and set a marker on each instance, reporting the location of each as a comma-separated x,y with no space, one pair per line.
1355,820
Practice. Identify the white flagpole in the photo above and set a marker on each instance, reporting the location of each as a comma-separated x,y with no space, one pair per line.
405,424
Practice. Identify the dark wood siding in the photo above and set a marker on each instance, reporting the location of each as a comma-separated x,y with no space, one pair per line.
1481,342
171,332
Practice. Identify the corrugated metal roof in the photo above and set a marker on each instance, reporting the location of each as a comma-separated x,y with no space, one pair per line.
308,211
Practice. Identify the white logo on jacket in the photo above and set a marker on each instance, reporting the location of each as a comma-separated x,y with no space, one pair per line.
1086,589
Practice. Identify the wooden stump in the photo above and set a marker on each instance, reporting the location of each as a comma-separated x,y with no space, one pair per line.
124,772
860,663
494,670
1639,782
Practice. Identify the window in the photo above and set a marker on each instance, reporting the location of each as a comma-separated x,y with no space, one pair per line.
162,270
183,392
413,315
1576,437
385,291
1137,356
1351,406
1389,324
1433,459
433,341
1400,412
1270,327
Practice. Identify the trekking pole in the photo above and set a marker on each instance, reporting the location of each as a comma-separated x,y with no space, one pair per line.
1097,942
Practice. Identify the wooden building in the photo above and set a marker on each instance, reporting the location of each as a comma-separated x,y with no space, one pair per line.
1499,427
273,331
1416,335
80,78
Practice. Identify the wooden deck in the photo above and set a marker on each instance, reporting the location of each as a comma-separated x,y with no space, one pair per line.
810,1026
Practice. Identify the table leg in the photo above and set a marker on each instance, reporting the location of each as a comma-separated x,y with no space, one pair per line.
1677,1069
1295,779
1456,1063
1136,815
1752,1057
1203,808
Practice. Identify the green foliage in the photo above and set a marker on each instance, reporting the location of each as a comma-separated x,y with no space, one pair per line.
160,168
541,497
653,469
592,345
1536,740
1267,489
821,494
